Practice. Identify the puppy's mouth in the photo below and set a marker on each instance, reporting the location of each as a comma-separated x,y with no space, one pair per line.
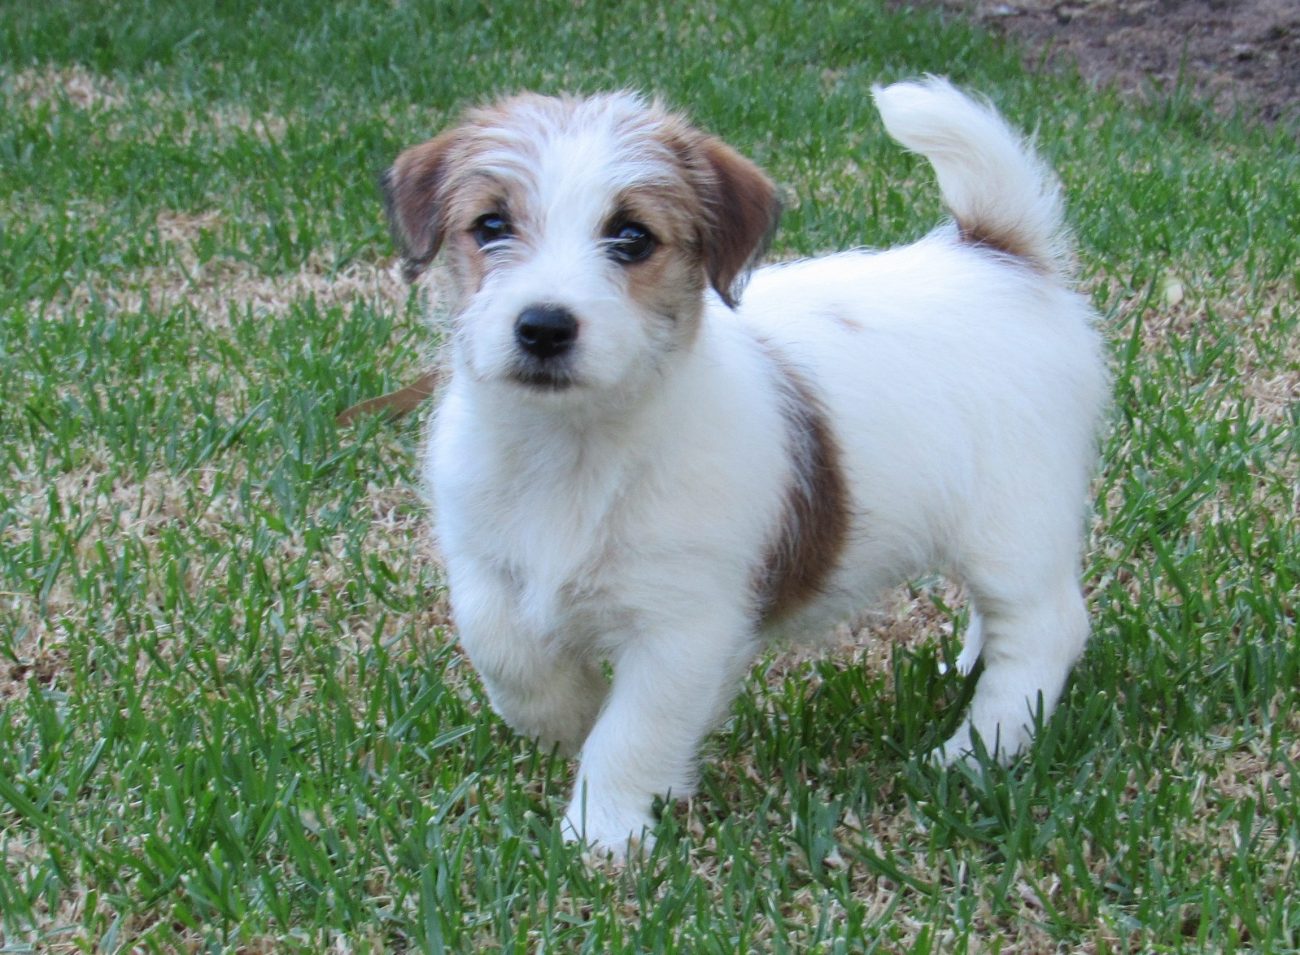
544,377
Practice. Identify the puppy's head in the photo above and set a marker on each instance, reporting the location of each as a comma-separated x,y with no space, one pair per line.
581,235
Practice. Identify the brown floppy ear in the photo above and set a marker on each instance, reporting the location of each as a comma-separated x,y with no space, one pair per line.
742,210
414,200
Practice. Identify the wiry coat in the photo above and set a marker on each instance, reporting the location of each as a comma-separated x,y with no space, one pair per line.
664,480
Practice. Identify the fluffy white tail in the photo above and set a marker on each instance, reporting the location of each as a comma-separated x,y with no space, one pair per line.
999,192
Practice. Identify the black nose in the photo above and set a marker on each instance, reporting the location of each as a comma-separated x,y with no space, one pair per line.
545,331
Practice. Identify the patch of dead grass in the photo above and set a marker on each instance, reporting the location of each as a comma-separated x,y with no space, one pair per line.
47,86
906,617
36,87
1182,307
211,286
115,512
1250,771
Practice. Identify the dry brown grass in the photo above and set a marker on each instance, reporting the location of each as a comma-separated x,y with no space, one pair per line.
1183,306
121,511
37,87
212,287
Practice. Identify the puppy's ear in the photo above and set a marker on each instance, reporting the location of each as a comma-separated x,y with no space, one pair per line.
414,198
742,210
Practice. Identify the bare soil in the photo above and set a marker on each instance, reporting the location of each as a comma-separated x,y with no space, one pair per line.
1241,54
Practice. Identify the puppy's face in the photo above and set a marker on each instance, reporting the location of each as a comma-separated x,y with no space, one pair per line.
581,235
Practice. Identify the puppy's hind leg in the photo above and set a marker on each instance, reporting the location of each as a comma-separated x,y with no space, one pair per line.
1029,646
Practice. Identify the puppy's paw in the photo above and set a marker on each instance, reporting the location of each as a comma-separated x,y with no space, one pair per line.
1003,741
971,647
549,717
956,750
609,832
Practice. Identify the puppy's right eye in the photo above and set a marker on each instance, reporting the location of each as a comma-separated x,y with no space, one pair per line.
631,242
490,228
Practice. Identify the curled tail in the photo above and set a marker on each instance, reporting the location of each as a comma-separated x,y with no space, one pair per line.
1000,193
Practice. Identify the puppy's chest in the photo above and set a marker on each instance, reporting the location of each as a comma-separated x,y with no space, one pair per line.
555,536
546,533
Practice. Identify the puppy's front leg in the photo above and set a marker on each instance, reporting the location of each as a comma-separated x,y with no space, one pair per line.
672,683
544,690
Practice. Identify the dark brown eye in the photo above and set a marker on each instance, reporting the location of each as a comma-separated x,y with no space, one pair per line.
489,228
630,242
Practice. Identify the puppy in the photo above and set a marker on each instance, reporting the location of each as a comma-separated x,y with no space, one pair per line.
633,468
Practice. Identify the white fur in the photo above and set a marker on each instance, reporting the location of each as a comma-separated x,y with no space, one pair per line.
621,520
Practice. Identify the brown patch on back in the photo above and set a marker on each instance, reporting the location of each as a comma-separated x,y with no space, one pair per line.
815,521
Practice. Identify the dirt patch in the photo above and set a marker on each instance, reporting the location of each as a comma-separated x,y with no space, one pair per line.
1240,54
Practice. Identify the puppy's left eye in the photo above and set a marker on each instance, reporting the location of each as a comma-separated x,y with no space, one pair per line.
491,228
631,242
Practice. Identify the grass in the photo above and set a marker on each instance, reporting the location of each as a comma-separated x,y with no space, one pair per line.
232,716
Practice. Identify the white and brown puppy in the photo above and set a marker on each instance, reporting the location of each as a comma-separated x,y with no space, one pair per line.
631,466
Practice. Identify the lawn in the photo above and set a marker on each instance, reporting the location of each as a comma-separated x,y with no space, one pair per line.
232,713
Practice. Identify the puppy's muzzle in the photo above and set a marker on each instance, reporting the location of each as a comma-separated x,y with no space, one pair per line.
546,331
